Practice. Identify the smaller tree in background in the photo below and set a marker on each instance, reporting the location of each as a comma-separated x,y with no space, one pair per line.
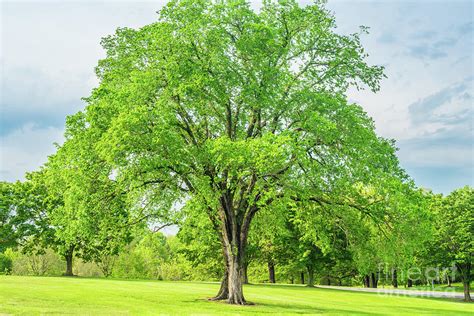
454,233
268,241
92,219
8,233
200,243
25,217
6,264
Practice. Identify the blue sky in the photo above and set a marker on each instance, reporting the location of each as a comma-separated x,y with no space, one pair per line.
49,50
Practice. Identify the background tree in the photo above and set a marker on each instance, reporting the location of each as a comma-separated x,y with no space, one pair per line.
93,217
201,245
13,215
320,243
6,264
268,240
23,217
27,225
8,233
454,233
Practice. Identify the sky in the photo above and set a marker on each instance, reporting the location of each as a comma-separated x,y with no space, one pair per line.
48,51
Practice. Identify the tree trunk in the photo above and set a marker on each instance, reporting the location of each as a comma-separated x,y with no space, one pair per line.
245,278
310,276
233,229
302,277
68,265
467,294
69,256
465,269
394,278
373,280
409,283
235,241
449,281
236,294
366,281
271,272
223,293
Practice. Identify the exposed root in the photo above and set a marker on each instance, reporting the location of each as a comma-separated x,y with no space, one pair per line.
218,298
237,300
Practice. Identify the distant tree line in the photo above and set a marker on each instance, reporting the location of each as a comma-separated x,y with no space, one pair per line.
433,247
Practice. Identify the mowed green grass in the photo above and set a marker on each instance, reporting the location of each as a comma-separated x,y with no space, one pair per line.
82,296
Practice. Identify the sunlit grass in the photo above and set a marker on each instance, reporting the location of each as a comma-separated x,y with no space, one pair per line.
82,296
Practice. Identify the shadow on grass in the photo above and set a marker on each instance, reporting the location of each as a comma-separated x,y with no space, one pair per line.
286,308
304,309
430,311
295,308
300,287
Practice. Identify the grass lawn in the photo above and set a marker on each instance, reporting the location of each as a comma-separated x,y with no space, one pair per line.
48,295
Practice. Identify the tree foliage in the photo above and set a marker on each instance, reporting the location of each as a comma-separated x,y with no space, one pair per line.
454,233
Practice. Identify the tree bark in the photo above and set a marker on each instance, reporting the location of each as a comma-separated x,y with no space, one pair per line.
245,278
271,272
69,256
394,278
232,222
449,281
302,277
467,294
310,276
236,295
465,269
223,293
373,280
235,233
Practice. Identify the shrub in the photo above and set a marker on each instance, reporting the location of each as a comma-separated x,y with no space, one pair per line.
6,264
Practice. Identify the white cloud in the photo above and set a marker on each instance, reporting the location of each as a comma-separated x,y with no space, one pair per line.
48,54
26,149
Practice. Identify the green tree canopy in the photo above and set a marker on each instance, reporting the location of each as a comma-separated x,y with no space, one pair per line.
454,234
92,221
